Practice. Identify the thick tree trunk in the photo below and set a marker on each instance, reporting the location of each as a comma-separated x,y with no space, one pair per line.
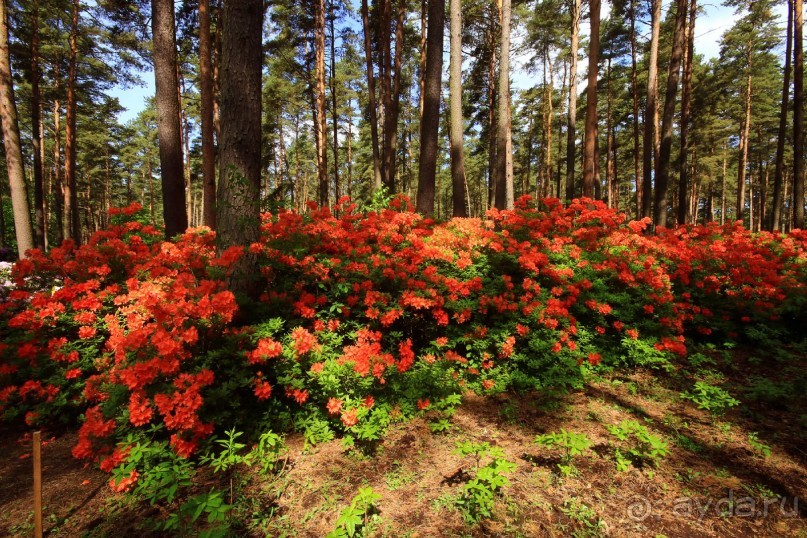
168,128
798,119
11,141
504,169
321,126
651,106
72,224
430,119
590,161
673,76
572,117
240,145
457,131
686,99
206,90
371,100
36,131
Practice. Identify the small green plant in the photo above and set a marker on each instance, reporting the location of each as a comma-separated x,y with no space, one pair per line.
571,444
210,503
478,496
231,456
577,511
759,447
637,445
268,451
710,398
354,519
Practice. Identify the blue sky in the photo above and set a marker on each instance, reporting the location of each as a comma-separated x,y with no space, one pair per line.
710,26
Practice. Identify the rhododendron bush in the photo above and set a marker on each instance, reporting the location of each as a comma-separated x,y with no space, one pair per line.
367,317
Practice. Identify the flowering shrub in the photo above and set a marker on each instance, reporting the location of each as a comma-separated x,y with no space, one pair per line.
366,318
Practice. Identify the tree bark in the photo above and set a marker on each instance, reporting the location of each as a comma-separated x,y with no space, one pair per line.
457,131
392,107
206,90
504,169
775,223
430,119
334,109
36,131
743,149
72,224
168,128
238,204
637,167
590,164
673,76
798,119
11,141
373,108
651,106
572,116
686,99
321,126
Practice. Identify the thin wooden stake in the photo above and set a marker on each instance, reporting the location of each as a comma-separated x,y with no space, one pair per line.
37,486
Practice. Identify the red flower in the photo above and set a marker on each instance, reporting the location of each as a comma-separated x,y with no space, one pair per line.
350,418
334,406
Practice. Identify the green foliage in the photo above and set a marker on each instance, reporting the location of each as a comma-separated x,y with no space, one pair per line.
478,495
759,447
354,519
571,444
636,445
710,398
642,353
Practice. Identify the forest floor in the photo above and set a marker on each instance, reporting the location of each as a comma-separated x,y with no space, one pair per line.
743,473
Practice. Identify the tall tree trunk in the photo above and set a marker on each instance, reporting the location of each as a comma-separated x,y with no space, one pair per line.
504,173
723,185
321,126
798,119
775,223
743,149
334,109
651,106
492,138
549,113
637,167
392,107
430,119
572,117
58,184
72,226
371,101
590,164
240,145
455,98
673,75
168,128
686,99
206,90
11,141
609,140
36,131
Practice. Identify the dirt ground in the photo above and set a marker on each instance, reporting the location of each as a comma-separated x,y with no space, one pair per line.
716,481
